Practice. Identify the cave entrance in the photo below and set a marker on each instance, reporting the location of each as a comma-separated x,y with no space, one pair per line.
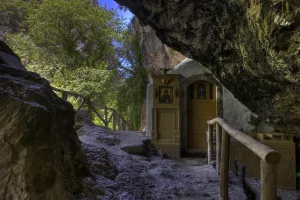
201,107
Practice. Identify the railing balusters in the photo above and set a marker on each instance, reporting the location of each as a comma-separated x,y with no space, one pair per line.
269,158
114,118
105,117
82,103
218,146
210,144
224,165
268,180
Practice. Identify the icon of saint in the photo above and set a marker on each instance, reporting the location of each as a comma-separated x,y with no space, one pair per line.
166,98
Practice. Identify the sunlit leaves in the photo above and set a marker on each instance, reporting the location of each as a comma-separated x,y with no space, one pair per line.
75,31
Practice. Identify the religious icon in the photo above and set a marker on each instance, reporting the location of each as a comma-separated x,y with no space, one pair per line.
165,94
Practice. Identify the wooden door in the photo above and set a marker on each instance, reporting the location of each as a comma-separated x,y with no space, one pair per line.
201,108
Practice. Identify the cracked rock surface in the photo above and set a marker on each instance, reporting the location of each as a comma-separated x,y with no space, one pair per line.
252,47
117,175
40,154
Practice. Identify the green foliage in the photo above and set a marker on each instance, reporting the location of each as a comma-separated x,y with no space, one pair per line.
13,14
84,49
78,33
132,93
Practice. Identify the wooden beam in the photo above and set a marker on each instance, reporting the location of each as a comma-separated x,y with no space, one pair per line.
224,165
64,96
69,93
82,103
218,146
264,152
105,117
101,118
268,181
110,117
210,144
114,120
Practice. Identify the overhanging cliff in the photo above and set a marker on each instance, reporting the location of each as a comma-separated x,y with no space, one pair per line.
252,47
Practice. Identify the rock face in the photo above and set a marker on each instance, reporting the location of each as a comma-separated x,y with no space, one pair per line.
156,55
5,49
40,154
116,174
252,47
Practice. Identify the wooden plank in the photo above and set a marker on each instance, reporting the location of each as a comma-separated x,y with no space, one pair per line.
117,119
69,93
264,152
218,146
210,144
114,120
82,103
110,117
268,181
105,117
224,165
101,118
64,96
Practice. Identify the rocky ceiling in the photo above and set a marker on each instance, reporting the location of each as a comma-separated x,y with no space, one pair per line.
251,46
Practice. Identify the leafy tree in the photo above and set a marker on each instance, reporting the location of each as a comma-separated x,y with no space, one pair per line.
85,49
13,15
77,33
132,92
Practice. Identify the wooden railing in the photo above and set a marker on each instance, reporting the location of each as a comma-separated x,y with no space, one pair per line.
269,158
108,116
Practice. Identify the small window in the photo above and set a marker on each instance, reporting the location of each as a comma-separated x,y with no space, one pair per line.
201,91
211,91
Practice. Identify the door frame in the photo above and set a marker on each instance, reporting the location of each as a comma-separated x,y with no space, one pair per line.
183,107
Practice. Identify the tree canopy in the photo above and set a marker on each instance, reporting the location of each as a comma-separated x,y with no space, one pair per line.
82,48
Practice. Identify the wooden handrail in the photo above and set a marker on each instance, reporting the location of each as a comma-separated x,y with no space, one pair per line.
264,152
69,93
115,118
269,157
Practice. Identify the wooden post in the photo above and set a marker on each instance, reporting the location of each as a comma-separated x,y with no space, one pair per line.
118,121
210,144
105,117
65,96
114,120
121,124
224,165
218,146
82,103
268,181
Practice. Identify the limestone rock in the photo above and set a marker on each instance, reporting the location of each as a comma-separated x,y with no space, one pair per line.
82,117
116,174
5,48
252,47
8,57
156,55
40,154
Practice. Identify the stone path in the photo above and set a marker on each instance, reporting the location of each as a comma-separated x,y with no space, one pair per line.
115,174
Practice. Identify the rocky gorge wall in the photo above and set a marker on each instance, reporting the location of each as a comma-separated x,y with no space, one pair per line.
156,55
251,47
40,153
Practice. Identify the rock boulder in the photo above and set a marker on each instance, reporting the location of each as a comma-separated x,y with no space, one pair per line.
40,154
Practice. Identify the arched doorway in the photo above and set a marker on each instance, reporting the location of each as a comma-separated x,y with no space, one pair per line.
201,107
